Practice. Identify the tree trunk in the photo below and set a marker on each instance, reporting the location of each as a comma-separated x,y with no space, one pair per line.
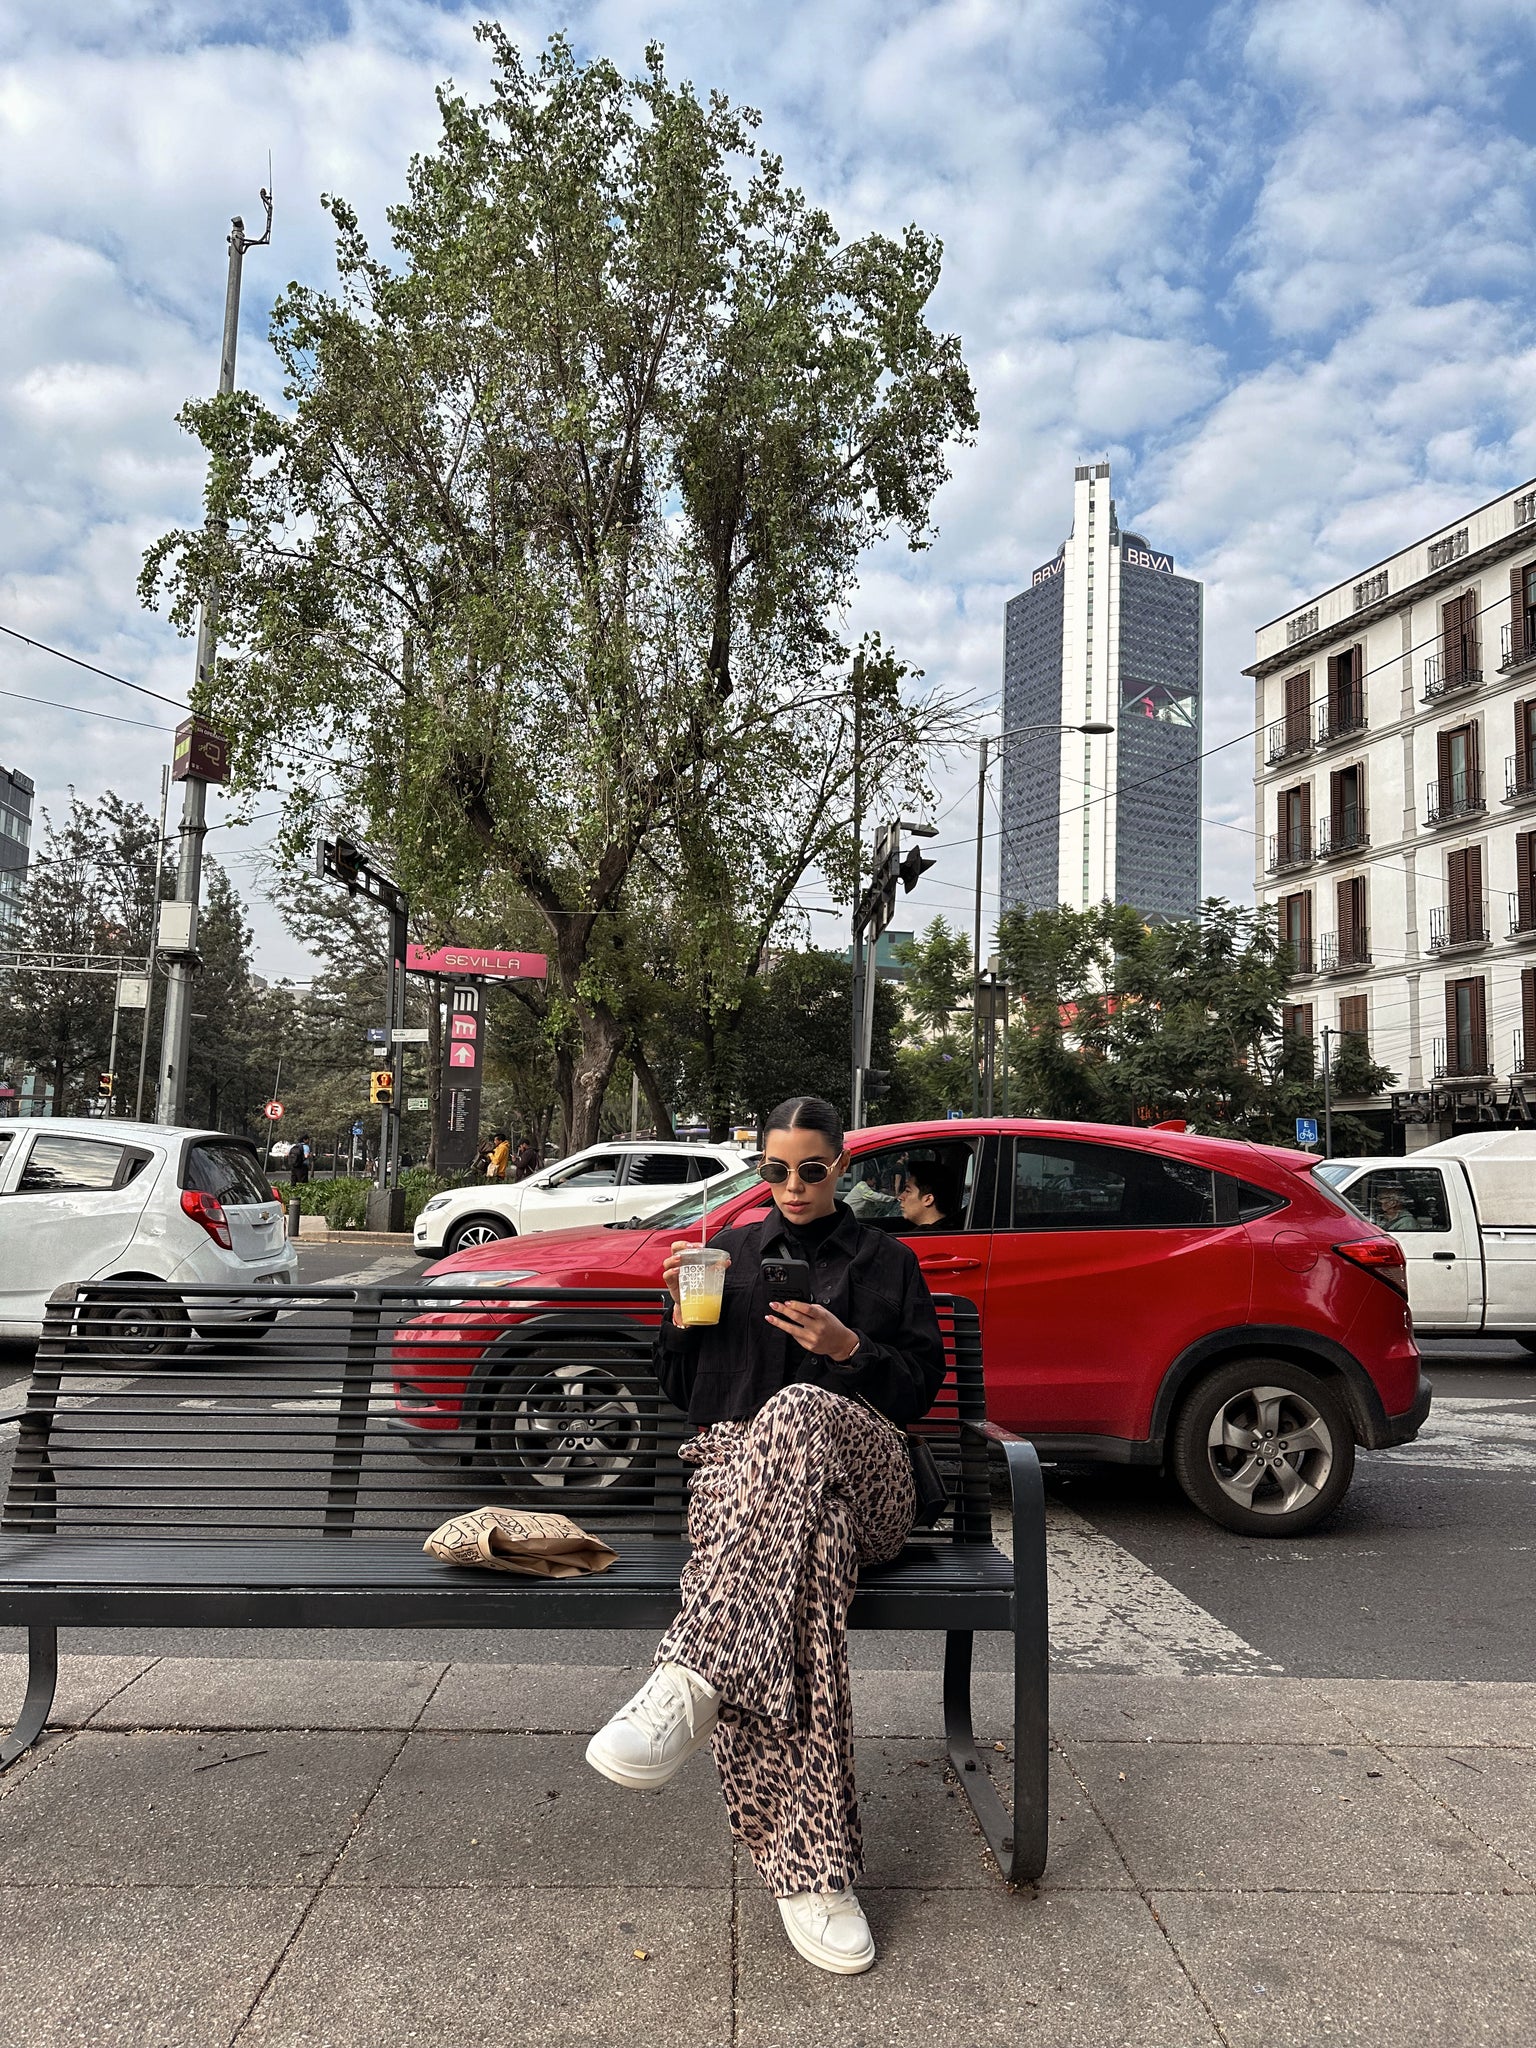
650,1089
602,1040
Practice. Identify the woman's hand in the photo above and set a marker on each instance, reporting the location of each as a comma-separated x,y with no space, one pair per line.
814,1329
674,1260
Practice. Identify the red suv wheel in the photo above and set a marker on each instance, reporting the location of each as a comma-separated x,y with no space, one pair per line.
1264,1447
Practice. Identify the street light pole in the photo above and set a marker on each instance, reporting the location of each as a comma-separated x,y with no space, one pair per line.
1091,727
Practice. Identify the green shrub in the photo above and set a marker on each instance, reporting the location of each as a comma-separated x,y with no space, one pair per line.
344,1202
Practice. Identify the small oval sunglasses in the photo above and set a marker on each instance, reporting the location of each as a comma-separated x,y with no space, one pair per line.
776,1171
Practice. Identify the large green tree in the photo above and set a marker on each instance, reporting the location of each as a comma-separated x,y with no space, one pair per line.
543,559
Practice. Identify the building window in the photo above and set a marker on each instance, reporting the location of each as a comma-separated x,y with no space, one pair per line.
1522,902
1525,1037
1370,590
1520,633
1299,627
1443,552
1293,837
1352,939
1464,1051
1296,930
1463,921
1458,790
1345,831
1353,1018
1345,712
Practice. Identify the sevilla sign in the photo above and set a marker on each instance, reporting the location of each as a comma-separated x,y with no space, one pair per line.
488,963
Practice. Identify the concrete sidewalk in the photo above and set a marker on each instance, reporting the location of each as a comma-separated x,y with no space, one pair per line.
359,1855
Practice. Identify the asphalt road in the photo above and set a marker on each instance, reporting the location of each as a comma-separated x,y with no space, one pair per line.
1425,1573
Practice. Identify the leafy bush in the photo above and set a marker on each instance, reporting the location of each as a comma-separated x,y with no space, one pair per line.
344,1202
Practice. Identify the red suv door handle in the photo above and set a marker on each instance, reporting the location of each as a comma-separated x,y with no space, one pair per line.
948,1262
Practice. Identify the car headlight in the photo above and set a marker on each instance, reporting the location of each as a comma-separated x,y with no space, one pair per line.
436,1202
477,1283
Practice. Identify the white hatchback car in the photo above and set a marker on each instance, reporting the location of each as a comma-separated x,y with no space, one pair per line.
614,1183
82,1198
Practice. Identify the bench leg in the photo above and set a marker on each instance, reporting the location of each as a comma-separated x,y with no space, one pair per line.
42,1678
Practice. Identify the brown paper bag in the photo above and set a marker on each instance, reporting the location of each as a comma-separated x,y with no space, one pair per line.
517,1540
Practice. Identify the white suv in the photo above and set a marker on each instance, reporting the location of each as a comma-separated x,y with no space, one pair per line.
614,1183
82,1198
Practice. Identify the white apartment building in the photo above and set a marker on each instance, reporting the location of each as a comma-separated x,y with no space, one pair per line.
1395,802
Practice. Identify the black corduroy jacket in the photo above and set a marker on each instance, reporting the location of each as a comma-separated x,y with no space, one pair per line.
872,1283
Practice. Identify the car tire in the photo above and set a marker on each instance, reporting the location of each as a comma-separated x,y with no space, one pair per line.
1264,1447
474,1230
567,1416
136,1329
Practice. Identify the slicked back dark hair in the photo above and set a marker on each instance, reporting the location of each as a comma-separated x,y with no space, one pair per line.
807,1113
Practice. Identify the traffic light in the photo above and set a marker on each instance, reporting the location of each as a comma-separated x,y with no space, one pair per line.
105,1083
911,869
877,1082
381,1088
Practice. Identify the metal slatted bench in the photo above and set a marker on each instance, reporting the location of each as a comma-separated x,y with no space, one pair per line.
202,1466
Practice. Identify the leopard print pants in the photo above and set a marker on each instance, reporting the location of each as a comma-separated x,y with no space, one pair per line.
782,1511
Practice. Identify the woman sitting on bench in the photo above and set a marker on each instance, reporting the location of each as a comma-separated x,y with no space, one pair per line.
803,1475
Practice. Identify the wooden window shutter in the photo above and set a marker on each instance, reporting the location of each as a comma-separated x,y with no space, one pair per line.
1335,686
1525,880
1528,1011
1480,1017
1450,639
1443,755
1306,925
1450,1020
1469,634
1517,613
1306,817
1352,1014
1298,708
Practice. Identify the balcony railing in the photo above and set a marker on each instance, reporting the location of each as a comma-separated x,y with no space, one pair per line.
1459,927
1296,959
1509,655
1345,950
1345,832
1464,1058
1522,913
1443,677
1520,777
1455,796
1340,721
1520,1067
1289,737
1288,850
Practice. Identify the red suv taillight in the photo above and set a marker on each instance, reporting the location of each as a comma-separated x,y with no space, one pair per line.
1382,1256
205,1210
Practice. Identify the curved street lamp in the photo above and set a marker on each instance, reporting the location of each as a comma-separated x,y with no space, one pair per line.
1094,727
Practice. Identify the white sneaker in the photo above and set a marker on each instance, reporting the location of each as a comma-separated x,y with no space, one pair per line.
646,1743
829,1930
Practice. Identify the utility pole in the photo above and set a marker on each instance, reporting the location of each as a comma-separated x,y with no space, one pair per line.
981,833
149,966
176,1030
1327,1091
856,1006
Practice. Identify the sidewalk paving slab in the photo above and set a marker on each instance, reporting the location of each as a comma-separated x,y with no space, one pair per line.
483,1809
239,1808
1437,1711
1264,1816
1295,1970
541,1698
86,1685
488,1968
144,1967
297,1692
1110,1707
967,1969
1492,1790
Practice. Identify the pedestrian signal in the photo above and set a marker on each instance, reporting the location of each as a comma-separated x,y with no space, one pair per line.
381,1088
105,1083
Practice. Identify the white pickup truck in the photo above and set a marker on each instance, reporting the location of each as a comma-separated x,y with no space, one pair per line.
1464,1212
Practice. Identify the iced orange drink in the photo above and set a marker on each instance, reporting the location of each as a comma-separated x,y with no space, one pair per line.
701,1285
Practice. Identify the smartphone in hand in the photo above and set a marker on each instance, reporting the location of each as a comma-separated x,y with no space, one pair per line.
788,1280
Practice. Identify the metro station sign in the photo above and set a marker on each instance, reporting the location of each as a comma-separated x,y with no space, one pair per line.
486,963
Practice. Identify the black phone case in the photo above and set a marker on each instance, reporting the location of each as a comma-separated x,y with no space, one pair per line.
787,1280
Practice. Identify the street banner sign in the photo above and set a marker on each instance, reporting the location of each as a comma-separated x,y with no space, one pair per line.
201,751
1306,1130
272,1111
458,1105
486,963
415,1035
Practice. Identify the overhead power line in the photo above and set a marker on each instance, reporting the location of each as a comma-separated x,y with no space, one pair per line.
43,647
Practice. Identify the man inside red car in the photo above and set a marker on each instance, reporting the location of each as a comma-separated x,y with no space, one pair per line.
802,1474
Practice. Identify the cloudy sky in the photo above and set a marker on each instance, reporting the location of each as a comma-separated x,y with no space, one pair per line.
1271,257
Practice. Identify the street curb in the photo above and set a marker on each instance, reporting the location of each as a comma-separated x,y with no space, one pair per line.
401,1239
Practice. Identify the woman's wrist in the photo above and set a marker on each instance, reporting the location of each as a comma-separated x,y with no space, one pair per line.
850,1352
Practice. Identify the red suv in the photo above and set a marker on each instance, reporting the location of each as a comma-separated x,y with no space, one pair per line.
1146,1298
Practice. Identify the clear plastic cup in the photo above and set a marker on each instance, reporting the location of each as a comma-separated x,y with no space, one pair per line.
701,1285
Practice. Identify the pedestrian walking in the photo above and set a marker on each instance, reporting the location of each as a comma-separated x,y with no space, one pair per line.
527,1161
802,1474
298,1163
501,1152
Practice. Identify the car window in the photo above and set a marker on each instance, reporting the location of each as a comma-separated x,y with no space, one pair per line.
657,1170
5,1141
600,1170
56,1164
943,1169
1059,1185
227,1172
698,1199
1254,1202
704,1166
1403,1199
